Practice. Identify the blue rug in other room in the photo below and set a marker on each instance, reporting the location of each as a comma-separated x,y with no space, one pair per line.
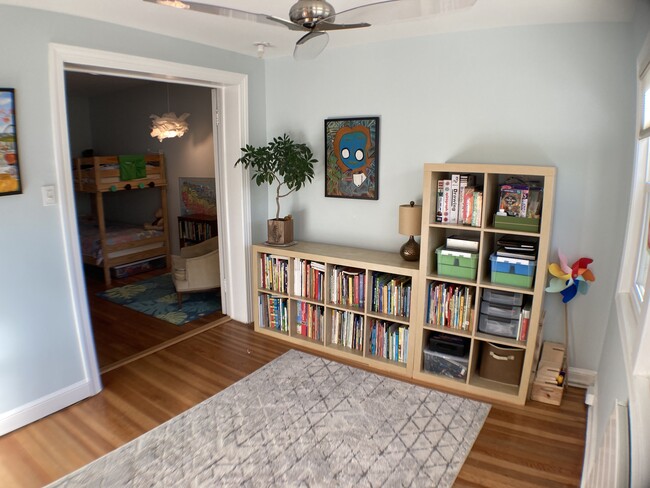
157,297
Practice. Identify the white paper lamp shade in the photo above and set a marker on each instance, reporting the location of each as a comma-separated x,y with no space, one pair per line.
168,125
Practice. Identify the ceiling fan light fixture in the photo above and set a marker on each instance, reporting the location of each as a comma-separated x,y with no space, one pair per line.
308,12
173,3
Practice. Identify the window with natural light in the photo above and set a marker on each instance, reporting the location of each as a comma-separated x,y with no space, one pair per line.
643,248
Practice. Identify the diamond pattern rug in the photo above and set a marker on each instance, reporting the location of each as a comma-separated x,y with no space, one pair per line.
157,297
302,421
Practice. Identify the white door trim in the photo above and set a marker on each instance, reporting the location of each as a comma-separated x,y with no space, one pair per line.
234,181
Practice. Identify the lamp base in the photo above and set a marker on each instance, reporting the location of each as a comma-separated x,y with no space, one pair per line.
410,251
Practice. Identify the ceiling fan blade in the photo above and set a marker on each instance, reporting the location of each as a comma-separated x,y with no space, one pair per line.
228,12
390,11
310,45
324,25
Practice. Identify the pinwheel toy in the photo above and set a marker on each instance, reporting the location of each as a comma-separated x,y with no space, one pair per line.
570,280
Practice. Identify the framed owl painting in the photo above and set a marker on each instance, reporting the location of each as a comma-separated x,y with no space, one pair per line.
352,158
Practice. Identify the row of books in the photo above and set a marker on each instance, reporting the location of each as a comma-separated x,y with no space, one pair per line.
310,320
308,279
273,313
520,200
347,286
389,341
194,231
274,273
347,329
524,322
459,201
450,305
391,294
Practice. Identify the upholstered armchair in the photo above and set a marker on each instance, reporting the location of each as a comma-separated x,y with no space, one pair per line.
197,268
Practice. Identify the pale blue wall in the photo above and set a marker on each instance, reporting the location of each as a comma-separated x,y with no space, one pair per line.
39,349
551,95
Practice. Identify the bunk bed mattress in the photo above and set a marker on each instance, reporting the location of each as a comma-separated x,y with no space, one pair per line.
116,233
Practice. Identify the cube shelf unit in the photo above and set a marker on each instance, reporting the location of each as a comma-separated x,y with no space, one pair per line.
434,234
306,293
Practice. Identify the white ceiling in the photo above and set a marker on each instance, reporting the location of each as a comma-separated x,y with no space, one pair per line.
240,35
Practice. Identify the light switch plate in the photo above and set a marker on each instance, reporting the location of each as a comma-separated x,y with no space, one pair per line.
49,195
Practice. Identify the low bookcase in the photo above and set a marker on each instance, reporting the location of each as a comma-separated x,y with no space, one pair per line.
353,303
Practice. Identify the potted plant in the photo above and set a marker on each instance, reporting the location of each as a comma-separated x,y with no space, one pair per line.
288,164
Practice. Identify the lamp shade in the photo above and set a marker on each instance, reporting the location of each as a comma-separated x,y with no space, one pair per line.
410,218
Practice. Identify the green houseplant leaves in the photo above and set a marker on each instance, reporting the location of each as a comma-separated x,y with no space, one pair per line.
281,161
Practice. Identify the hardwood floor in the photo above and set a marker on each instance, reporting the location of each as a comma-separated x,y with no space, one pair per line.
121,333
533,446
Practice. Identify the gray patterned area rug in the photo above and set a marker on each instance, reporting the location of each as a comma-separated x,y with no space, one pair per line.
301,421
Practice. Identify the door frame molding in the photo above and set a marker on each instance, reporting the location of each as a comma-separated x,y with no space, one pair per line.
234,189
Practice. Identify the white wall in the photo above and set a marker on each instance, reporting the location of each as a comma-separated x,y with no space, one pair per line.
39,347
550,95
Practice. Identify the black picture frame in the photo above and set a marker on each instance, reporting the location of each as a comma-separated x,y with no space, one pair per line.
10,182
352,158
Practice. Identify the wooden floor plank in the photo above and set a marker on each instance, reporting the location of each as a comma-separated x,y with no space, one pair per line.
530,447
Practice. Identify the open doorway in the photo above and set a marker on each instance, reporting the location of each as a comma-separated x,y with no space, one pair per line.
233,184
133,306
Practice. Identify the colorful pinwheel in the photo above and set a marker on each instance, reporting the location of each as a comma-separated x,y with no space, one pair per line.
570,280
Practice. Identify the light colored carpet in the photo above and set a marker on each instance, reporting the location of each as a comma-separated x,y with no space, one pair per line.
301,421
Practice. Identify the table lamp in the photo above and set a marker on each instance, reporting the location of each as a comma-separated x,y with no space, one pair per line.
410,218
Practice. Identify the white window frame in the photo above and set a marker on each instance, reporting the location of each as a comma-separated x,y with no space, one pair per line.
634,315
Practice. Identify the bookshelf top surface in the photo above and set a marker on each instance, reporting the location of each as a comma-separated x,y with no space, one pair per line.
518,169
352,256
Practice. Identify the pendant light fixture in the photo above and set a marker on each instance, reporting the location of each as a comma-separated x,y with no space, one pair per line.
168,125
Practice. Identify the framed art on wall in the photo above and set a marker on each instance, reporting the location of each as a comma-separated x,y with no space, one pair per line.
198,196
9,170
352,158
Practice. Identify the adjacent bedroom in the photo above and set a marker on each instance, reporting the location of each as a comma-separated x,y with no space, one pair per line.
146,203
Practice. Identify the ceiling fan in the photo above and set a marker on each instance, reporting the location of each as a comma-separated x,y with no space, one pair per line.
316,17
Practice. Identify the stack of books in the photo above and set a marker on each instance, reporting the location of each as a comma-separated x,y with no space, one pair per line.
517,247
459,201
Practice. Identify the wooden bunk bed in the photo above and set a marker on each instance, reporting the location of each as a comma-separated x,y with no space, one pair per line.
108,244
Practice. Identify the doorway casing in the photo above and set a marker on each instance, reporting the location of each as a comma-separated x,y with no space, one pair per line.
230,101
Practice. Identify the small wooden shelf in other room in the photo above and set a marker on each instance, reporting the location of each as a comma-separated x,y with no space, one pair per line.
193,229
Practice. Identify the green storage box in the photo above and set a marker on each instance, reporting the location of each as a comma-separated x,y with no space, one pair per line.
457,264
522,281
516,223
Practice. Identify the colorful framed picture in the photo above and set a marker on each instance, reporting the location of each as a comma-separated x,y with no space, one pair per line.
9,170
198,196
352,158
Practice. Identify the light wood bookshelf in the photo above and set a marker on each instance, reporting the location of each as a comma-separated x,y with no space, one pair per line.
434,234
333,256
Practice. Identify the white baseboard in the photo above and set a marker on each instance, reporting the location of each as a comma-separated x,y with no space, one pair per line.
44,406
582,378
590,437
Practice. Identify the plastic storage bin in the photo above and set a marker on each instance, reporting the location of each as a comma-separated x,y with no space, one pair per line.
446,364
513,272
501,363
498,326
500,311
449,344
457,264
503,297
